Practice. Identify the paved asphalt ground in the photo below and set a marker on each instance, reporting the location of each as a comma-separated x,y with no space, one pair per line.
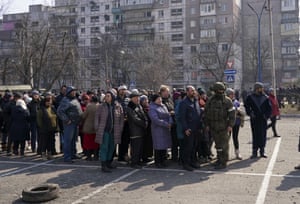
270,181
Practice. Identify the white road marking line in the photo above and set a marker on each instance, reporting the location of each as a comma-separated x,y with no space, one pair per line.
265,184
81,200
24,169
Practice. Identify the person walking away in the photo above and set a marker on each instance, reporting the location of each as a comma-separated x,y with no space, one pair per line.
275,112
47,124
259,108
89,131
109,121
161,123
189,114
19,130
69,111
219,116
138,123
239,122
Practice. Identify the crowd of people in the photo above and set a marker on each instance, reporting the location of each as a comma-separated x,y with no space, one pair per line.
136,126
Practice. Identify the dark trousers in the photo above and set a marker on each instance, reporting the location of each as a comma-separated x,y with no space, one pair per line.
136,150
175,144
259,135
160,156
273,125
235,134
17,144
46,140
34,135
125,140
189,149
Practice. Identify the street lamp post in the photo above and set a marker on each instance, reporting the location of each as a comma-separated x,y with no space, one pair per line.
259,78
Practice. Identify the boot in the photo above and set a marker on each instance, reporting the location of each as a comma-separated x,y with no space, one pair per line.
238,155
96,154
44,157
4,147
110,165
88,154
104,167
49,155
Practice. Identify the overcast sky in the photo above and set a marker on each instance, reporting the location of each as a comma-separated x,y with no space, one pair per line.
19,6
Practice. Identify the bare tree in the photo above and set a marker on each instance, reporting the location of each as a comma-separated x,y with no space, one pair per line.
153,64
4,5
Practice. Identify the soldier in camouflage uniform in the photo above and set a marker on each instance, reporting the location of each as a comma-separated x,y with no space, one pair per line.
219,119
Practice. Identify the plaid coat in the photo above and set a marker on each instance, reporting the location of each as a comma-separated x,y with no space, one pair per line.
101,119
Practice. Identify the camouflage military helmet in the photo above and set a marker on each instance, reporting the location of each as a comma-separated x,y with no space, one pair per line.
219,86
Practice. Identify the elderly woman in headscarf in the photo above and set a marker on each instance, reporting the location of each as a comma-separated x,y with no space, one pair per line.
20,127
109,121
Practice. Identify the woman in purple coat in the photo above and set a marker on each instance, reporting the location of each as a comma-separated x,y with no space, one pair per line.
161,122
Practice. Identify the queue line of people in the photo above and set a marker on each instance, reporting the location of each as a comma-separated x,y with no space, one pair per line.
188,123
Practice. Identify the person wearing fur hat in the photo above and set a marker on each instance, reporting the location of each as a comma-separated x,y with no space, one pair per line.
259,108
138,123
109,121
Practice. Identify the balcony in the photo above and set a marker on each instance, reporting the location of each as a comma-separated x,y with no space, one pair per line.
116,11
137,7
138,19
141,31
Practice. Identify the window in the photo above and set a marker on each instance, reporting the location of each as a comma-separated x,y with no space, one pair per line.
208,20
82,20
72,21
193,49
176,1
207,9
176,12
95,29
161,26
177,50
82,30
107,29
95,41
106,17
94,19
224,47
193,11
147,14
179,62
176,24
193,24
223,7
95,8
107,7
72,10
205,47
288,50
35,23
177,37
192,36
82,9
223,20
288,26
208,33
288,5
161,13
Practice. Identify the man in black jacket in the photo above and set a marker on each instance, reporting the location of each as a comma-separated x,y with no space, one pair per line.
138,123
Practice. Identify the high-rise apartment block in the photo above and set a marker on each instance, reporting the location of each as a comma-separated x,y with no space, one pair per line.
210,40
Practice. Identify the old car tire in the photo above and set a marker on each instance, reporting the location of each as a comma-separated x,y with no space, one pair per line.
40,193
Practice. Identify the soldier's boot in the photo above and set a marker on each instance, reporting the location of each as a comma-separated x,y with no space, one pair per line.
238,155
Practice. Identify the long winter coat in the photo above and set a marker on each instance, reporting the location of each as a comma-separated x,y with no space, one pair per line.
20,127
137,120
88,118
101,119
161,121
